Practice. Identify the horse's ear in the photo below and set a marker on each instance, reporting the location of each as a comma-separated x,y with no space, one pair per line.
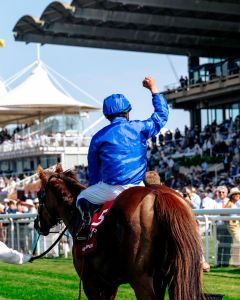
59,168
41,174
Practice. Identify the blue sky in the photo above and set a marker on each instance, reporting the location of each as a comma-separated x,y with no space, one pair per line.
98,72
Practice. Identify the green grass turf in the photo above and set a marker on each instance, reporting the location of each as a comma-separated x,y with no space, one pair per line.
54,279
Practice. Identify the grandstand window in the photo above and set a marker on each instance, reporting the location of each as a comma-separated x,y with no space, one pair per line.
236,110
219,116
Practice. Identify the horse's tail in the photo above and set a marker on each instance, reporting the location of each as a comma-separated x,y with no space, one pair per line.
183,251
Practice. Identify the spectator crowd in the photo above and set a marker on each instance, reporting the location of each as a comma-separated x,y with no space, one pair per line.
220,144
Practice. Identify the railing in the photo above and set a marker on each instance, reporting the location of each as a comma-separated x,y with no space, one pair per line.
176,87
43,144
219,229
17,231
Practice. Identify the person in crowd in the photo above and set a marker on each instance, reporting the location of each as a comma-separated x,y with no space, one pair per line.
234,226
2,234
189,192
11,256
29,230
223,235
182,82
222,198
204,167
151,177
5,202
12,209
22,226
2,183
20,207
234,198
207,146
207,202
177,136
117,157
161,139
168,137
185,82
170,162
30,206
186,196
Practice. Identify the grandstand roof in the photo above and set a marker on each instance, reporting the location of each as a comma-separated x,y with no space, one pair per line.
14,116
209,28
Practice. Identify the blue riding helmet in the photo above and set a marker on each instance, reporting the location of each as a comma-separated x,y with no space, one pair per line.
115,104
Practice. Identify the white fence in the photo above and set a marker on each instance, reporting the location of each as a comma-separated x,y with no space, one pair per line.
17,231
219,229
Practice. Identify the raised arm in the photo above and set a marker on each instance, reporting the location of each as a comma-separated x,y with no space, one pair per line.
160,116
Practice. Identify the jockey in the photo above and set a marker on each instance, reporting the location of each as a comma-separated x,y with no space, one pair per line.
117,157
12,256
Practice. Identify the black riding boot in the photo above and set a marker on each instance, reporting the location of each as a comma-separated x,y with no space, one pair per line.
84,230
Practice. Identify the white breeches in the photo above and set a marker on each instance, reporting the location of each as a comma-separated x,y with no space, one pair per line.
101,192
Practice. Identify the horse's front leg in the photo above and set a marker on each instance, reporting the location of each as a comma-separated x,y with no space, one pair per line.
92,285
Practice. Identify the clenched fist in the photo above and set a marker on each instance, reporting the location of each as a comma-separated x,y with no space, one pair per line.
150,84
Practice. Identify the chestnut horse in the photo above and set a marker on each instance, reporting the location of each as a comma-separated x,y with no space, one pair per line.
148,239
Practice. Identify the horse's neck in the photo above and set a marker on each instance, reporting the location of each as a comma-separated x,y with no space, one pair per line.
70,219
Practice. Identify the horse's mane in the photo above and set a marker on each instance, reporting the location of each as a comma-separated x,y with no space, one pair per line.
67,184
70,179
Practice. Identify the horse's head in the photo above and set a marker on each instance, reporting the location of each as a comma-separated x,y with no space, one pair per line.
47,212
57,197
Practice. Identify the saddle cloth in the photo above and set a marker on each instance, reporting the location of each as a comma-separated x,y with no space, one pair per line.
98,217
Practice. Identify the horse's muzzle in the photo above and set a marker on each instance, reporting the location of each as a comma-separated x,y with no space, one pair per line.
36,224
38,227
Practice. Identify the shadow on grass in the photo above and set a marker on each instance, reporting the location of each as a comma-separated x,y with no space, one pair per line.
228,270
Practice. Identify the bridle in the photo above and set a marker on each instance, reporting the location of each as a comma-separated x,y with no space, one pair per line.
42,196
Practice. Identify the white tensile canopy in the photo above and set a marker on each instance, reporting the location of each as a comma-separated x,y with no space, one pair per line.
38,97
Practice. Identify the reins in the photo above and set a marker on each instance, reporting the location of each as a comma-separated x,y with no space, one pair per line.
50,248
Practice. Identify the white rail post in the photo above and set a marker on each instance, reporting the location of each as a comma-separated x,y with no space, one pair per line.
206,238
12,232
215,243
